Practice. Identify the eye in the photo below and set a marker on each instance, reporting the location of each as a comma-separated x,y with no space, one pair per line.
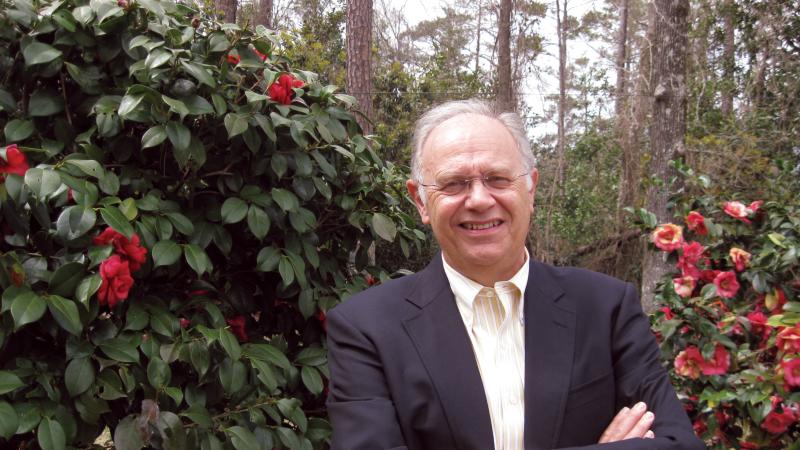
453,186
498,181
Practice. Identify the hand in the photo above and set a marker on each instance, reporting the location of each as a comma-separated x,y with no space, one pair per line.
629,423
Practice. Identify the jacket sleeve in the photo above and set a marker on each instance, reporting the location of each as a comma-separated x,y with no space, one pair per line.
361,411
640,376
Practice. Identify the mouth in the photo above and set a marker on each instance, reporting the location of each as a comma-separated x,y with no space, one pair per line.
481,226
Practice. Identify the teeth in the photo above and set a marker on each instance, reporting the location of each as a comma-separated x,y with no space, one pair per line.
482,226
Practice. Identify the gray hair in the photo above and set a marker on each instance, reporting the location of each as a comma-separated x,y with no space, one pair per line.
446,111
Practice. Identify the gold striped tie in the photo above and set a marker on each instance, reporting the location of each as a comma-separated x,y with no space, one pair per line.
489,310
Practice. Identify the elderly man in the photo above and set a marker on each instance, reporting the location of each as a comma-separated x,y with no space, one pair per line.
486,348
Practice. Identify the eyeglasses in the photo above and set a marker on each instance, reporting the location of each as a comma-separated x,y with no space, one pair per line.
494,183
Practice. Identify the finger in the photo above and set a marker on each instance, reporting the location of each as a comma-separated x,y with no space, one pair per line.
642,426
623,423
649,434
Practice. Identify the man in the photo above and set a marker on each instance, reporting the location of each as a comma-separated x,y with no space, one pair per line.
485,348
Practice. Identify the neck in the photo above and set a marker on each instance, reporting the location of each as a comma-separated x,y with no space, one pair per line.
489,275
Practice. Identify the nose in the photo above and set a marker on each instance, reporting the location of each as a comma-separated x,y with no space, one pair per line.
478,196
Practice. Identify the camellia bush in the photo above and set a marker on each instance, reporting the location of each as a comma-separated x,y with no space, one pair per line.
730,322
179,209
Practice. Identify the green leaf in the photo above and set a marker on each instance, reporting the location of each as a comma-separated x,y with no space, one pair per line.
285,199
120,349
176,106
9,382
87,288
199,72
311,379
17,130
267,259
198,355
279,164
42,182
258,221
39,53
66,278
288,438
182,224
232,375
88,166
66,314
311,356
286,271
154,136
127,436
197,259
384,226
109,183
267,353
254,97
79,376
45,103
50,435
777,239
26,308
230,344
7,103
236,124
116,220
157,58
179,135
158,373
242,438
8,420
165,253
129,104
233,210
75,221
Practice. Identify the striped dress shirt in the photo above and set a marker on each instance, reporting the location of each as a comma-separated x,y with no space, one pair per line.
493,317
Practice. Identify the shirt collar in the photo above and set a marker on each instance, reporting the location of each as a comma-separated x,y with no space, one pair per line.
465,289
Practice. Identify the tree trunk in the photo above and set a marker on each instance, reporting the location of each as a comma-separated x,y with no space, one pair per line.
561,24
623,123
228,9
478,38
505,90
359,59
668,128
728,59
264,13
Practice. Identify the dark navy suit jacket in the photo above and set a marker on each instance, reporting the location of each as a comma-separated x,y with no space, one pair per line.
404,376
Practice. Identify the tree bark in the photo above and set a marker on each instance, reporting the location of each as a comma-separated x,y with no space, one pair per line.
228,9
728,59
264,13
505,89
668,128
478,38
561,24
359,59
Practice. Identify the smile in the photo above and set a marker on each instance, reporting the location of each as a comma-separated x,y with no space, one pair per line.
482,226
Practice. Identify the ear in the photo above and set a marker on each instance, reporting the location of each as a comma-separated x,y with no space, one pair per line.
413,191
534,180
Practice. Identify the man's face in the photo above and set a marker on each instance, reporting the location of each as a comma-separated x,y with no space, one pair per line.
481,231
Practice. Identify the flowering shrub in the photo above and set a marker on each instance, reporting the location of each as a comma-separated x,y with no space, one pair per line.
178,209
730,321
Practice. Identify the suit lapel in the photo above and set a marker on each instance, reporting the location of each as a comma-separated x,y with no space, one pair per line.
549,348
441,339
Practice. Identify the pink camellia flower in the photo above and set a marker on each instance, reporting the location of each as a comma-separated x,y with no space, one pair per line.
791,372
668,237
788,340
130,249
778,423
758,323
15,162
281,90
727,284
707,276
740,258
719,364
668,314
689,362
237,325
185,322
117,281
684,286
697,223
739,211
690,255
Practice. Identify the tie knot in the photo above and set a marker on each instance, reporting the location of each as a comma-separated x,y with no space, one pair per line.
489,310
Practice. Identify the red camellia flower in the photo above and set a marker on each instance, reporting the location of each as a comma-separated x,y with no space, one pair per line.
15,162
260,55
707,276
697,223
690,255
754,206
667,312
789,339
699,427
740,258
719,364
130,249
684,286
117,281
237,325
777,423
758,322
323,319
689,362
185,323
727,284
281,90
234,59
791,372
668,237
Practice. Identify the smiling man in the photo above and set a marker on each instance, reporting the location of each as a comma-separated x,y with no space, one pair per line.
486,348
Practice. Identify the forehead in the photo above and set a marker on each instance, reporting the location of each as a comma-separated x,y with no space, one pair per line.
470,142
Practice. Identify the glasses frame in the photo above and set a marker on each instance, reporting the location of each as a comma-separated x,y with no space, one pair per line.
467,183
